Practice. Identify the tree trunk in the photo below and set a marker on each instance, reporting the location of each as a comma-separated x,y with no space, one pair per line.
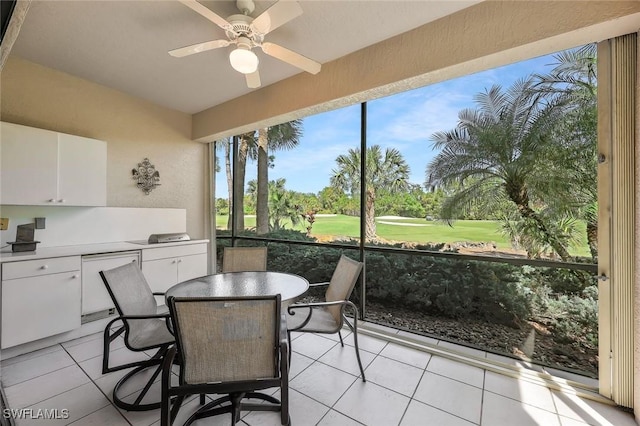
227,163
518,194
592,240
370,217
241,167
262,207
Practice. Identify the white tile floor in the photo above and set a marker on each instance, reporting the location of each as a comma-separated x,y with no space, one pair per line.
404,387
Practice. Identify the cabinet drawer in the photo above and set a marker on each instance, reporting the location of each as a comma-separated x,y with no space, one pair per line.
174,251
33,268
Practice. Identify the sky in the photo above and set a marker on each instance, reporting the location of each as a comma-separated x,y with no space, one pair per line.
404,121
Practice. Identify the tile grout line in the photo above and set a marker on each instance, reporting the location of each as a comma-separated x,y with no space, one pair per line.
425,371
411,398
99,390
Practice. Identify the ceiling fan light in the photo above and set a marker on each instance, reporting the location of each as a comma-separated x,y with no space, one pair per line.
243,60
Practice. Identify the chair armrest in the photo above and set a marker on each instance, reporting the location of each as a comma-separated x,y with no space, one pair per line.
316,304
166,317
137,317
158,293
310,307
318,284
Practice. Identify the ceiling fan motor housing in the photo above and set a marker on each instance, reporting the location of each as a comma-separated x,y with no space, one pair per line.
242,29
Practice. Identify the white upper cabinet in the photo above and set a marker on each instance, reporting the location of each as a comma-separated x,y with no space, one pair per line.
29,165
41,167
82,171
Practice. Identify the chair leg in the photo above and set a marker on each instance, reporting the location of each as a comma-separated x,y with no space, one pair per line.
165,405
177,403
284,391
136,406
340,336
354,329
202,400
355,339
235,407
289,344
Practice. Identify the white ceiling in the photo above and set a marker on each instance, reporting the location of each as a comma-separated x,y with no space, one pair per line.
124,44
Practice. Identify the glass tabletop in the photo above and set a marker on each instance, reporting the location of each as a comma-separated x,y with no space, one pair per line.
239,284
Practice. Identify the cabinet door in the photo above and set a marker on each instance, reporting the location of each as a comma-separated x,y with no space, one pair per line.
95,297
28,171
160,274
40,306
192,267
82,171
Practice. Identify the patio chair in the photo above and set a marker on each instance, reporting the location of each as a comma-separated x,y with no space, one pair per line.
143,327
233,346
244,259
328,317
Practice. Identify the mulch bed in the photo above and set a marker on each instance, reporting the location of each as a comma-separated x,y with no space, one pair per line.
497,338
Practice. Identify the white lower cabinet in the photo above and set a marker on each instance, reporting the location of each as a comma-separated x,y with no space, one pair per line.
164,267
45,297
40,298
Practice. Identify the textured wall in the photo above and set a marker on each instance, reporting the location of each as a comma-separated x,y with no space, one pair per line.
487,35
36,96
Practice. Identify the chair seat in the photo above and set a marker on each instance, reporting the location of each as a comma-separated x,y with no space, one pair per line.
321,321
150,332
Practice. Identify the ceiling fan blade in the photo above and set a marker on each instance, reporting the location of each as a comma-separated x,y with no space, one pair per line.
278,14
253,80
207,13
291,57
199,47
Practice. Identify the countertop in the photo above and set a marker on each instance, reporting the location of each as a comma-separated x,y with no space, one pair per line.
6,255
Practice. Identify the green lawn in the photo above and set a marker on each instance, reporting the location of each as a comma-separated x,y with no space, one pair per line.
428,231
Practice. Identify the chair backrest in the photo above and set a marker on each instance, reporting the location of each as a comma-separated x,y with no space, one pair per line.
130,293
341,285
227,339
244,259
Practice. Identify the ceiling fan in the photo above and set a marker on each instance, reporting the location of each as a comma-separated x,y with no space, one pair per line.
245,33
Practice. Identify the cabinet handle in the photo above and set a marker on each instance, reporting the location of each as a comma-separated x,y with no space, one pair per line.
179,260
173,261
75,276
44,267
61,200
133,261
52,200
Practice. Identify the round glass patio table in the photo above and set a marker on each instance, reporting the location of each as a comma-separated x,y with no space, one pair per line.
239,284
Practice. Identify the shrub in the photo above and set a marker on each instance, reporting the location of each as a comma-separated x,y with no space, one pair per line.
572,318
447,287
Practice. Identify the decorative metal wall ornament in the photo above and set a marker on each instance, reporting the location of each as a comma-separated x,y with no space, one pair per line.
147,176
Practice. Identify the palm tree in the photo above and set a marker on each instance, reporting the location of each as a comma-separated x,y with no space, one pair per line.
388,171
246,146
281,206
280,137
574,79
255,145
226,146
494,149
